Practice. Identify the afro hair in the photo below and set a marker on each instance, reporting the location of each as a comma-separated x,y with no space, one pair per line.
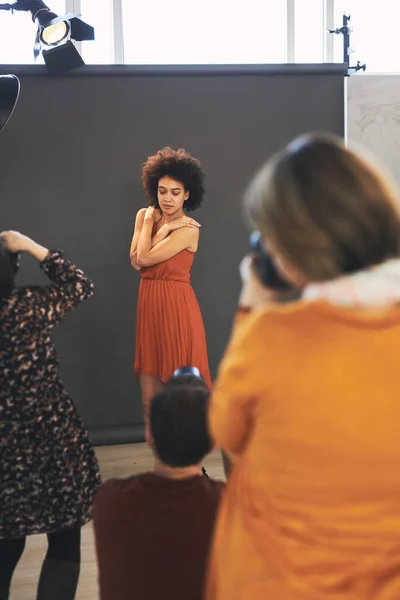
179,165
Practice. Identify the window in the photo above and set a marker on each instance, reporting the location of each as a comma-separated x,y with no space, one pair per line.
375,31
17,34
98,13
210,32
218,32
309,31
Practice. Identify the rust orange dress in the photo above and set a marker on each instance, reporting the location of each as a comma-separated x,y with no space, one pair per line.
169,326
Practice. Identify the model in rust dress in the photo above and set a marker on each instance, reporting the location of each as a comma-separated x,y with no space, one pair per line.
169,326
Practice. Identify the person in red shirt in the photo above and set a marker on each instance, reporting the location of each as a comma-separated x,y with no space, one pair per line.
153,530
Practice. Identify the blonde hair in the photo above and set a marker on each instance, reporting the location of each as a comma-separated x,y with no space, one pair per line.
325,208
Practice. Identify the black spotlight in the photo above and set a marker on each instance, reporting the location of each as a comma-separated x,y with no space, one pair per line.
9,93
54,34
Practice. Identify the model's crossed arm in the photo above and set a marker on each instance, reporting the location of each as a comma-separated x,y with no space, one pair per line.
170,239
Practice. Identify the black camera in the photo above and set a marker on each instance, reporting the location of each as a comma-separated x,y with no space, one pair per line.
14,260
188,372
188,376
264,266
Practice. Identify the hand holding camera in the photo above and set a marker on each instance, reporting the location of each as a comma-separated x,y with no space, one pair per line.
264,266
16,242
262,283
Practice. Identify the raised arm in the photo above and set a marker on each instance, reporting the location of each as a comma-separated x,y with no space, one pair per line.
68,289
180,239
69,286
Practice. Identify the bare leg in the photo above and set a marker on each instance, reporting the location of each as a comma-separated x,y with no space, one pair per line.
150,387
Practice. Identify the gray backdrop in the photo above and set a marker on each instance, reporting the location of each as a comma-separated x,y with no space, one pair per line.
70,177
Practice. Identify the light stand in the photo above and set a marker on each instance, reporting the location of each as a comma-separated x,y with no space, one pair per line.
345,30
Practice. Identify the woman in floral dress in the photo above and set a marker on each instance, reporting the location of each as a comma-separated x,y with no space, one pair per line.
48,469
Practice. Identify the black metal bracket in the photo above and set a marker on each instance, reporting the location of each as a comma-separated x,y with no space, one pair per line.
345,30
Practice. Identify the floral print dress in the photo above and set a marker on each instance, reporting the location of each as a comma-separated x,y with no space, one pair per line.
48,469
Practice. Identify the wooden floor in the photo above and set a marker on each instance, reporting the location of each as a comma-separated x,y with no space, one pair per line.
115,461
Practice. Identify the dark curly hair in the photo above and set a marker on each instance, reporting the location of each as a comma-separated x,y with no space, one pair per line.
179,165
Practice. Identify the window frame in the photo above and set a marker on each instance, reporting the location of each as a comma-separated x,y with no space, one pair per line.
117,30
328,11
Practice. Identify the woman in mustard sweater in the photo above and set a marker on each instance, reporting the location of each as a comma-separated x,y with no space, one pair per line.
307,401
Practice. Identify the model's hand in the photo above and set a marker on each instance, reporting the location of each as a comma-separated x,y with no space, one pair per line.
182,222
152,215
16,242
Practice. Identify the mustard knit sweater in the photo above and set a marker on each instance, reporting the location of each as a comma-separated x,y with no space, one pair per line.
308,402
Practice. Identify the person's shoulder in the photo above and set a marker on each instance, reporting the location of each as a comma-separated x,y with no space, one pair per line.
274,329
213,487
113,489
284,315
188,236
140,214
192,235
195,232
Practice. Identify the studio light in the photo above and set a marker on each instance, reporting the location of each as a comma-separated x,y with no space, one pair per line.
54,34
9,93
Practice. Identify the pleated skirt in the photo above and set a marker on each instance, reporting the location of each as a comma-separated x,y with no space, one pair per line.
169,330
